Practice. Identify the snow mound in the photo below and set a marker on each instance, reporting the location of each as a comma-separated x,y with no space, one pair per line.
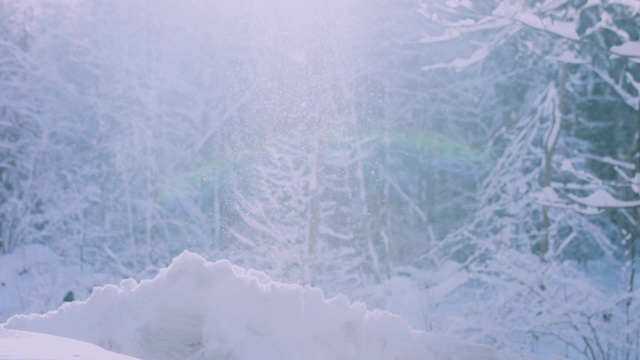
24,345
196,309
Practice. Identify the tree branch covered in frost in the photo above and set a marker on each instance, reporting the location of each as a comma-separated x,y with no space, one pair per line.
560,18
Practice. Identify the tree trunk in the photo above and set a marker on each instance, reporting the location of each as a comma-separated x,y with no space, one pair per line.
315,190
549,148
365,217
632,243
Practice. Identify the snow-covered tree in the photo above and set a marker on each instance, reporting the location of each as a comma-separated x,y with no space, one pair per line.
566,54
38,166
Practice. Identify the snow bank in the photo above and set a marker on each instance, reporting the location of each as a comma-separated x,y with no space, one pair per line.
196,309
24,345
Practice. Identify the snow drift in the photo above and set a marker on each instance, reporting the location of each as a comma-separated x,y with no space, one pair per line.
24,345
196,309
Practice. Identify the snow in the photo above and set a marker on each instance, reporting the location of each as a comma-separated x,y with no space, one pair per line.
447,35
459,64
195,309
565,29
547,196
589,205
567,166
602,199
456,3
632,81
629,48
25,345
568,57
635,183
447,286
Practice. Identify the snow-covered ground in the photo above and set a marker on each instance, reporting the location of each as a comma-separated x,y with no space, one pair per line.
25,345
35,279
195,309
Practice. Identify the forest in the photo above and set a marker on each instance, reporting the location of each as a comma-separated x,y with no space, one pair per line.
473,165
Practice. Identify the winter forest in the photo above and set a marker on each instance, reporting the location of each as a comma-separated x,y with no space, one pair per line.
472,165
